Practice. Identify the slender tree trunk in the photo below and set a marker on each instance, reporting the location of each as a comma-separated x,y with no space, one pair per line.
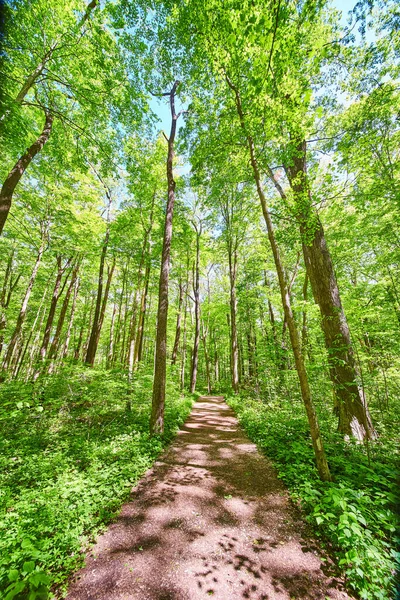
132,350
40,315
132,332
63,312
77,350
96,327
206,360
53,305
351,404
85,345
160,362
14,176
319,451
184,339
216,358
22,313
142,315
178,325
250,352
71,319
232,257
111,343
119,325
146,257
196,290
103,307
8,287
304,330
129,325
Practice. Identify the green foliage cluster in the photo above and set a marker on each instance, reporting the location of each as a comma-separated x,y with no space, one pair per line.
70,453
355,516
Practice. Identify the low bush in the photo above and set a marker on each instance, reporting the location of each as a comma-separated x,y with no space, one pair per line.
72,446
355,516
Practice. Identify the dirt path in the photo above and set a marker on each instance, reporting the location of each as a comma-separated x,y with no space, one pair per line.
210,519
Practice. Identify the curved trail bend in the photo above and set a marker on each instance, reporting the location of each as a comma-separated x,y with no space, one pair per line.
210,519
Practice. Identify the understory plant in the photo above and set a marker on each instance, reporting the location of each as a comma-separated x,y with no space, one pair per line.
355,515
72,447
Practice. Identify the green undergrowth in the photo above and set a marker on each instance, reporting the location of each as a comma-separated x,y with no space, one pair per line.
72,446
355,516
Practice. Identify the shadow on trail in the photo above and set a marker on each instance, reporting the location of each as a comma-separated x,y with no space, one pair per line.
210,519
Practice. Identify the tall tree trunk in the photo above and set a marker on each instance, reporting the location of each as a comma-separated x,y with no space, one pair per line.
146,258
14,176
304,329
132,332
178,324
53,305
184,338
22,313
8,287
71,319
100,320
39,318
96,328
196,291
319,452
251,351
160,363
216,361
232,258
77,352
63,312
142,315
111,342
351,404
206,359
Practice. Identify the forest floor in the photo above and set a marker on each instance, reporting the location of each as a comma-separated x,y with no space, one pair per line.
210,519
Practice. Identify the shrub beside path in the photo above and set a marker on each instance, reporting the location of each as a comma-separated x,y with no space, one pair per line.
210,519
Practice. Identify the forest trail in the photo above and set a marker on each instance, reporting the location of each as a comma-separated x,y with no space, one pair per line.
210,519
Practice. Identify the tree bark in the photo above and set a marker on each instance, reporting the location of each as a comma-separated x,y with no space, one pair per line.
206,359
111,342
232,258
178,325
71,319
183,358
142,315
103,310
39,318
14,176
22,313
351,404
8,287
53,305
78,347
146,257
304,329
196,291
160,363
319,452
63,312
96,326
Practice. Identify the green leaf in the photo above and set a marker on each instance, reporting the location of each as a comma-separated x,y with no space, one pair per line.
16,589
28,566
